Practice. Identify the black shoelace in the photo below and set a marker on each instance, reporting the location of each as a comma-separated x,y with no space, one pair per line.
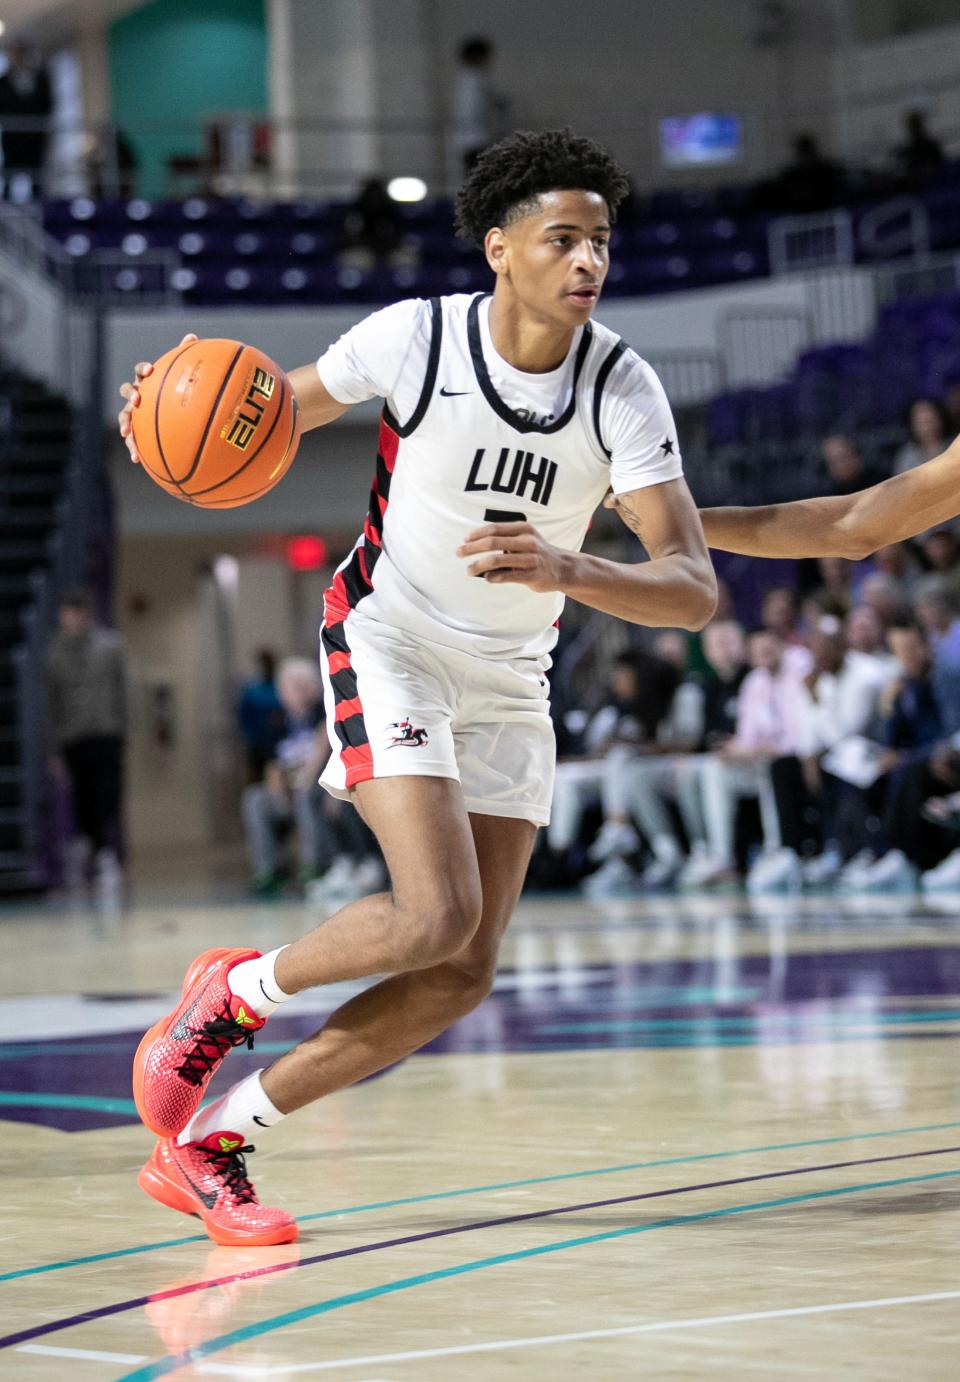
215,1039
231,1168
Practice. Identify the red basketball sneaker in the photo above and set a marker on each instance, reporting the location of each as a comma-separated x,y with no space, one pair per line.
177,1057
209,1178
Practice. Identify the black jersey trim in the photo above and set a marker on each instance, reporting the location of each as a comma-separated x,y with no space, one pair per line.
429,379
486,384
603,374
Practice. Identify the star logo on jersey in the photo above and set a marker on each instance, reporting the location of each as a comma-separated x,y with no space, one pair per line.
454,393
666,446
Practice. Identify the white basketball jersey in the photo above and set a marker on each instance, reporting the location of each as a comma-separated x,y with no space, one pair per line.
464,458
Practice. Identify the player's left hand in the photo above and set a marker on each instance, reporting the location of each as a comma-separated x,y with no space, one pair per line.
513,553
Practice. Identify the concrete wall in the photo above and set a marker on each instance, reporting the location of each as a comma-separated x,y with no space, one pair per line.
611,72
877,81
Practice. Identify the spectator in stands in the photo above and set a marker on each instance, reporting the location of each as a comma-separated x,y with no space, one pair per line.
940,547
930,433
936,609
885,597
865,634
898,562
635,786
261,715
87,721
920,730
480,113
834,594
25,106
702,720
372,231
846,469
920,156
328,836
638,697
769,713
809,182
818,812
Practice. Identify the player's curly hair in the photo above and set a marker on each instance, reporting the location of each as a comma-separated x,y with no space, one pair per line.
507,178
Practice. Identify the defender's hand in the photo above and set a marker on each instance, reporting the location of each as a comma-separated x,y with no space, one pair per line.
132,394
514,553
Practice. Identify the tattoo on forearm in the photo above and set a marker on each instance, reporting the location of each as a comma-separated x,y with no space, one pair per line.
631,519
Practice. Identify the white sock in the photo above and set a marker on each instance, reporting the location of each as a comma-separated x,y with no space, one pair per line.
243,1110
254,982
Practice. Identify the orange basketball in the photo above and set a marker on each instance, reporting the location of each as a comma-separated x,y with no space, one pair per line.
217,424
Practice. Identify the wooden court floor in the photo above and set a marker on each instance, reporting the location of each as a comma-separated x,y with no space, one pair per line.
684,1139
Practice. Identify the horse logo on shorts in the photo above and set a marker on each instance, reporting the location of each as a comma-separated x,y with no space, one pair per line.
408,737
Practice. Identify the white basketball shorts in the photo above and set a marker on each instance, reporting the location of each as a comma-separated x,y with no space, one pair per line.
399,706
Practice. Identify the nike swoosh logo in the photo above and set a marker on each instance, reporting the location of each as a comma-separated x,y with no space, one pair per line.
181,1032
209,1197
259,1122
454,393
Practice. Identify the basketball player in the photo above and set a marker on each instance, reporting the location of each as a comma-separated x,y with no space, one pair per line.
506,418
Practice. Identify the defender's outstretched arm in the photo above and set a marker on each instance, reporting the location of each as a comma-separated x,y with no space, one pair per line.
849,526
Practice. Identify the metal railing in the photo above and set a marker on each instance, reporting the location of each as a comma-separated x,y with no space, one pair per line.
799,243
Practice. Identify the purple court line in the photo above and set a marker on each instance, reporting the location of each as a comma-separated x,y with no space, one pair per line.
69,1321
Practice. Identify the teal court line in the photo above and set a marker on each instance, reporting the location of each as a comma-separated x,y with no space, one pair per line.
499,1185
785,1019
82,1101
773,1018
172,1362
775,1022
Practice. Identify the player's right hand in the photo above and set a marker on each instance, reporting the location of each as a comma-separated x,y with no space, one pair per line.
132,394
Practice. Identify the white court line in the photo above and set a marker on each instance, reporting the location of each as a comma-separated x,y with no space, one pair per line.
51,1352
661,1326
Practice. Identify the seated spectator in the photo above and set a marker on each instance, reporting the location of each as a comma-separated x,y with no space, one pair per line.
702,720
865,634
327,831
940,548
930,433
780,614
634,787
885,596
834,594
638,696
936,608
919,156
897,561
819,813
809,182
373,230
846,469
923,762
769,715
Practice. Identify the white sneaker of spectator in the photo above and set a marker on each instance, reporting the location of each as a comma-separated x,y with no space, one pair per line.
703,869
368,876
615,837
848,879
776,871
664,867
615,878
822,869
336,882
893,873
945,878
